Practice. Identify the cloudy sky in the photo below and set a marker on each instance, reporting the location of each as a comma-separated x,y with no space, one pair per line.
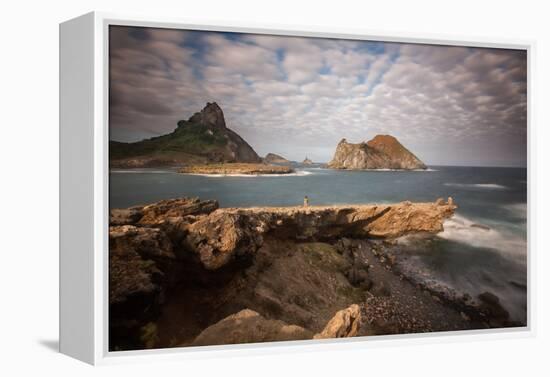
300,96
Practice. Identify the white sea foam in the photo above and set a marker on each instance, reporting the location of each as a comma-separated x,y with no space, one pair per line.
488,186
461,229
397,170
138,171
519,210
298,173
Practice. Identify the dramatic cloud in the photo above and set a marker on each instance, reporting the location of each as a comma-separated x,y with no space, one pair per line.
300,96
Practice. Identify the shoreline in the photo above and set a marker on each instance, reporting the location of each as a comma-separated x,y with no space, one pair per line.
175,168
236,168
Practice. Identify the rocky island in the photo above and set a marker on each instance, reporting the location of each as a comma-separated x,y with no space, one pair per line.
235,168
307,161
272,158
203,138
185,272
382,152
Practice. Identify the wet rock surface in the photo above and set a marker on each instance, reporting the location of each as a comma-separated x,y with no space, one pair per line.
484,312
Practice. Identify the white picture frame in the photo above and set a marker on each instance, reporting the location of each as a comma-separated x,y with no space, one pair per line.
84,174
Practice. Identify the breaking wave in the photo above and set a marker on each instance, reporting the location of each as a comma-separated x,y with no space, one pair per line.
488,186
461,229
402,170
518,210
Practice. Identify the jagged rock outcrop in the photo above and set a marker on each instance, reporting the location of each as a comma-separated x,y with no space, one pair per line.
221,236
344,324
203,138
248,326
217,236
272,158
137,258
210,116
243,228
382,152
159,212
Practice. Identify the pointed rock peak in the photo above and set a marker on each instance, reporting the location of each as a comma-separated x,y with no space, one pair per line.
343,141
211,106
210,115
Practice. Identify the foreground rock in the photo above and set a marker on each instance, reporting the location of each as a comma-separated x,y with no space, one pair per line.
272,260
272,158
382,152
299,283
244,228
236,168
203,138
217,236
248,326
161,211
344,324
138,258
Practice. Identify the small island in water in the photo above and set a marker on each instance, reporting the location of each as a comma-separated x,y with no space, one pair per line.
382,152
272,158
200,145
235,168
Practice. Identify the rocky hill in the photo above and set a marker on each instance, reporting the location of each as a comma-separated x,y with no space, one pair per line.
382,152
272,158
203,138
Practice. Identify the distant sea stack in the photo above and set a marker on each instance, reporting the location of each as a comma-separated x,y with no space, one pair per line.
382,152
272,158
307,161
203,138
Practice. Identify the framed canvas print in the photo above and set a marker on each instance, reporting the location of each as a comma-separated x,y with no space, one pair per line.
233,189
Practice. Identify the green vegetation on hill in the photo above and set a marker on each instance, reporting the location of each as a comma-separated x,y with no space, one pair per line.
203,138
190,138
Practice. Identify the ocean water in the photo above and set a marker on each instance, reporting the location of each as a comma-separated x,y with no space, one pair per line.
464,257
